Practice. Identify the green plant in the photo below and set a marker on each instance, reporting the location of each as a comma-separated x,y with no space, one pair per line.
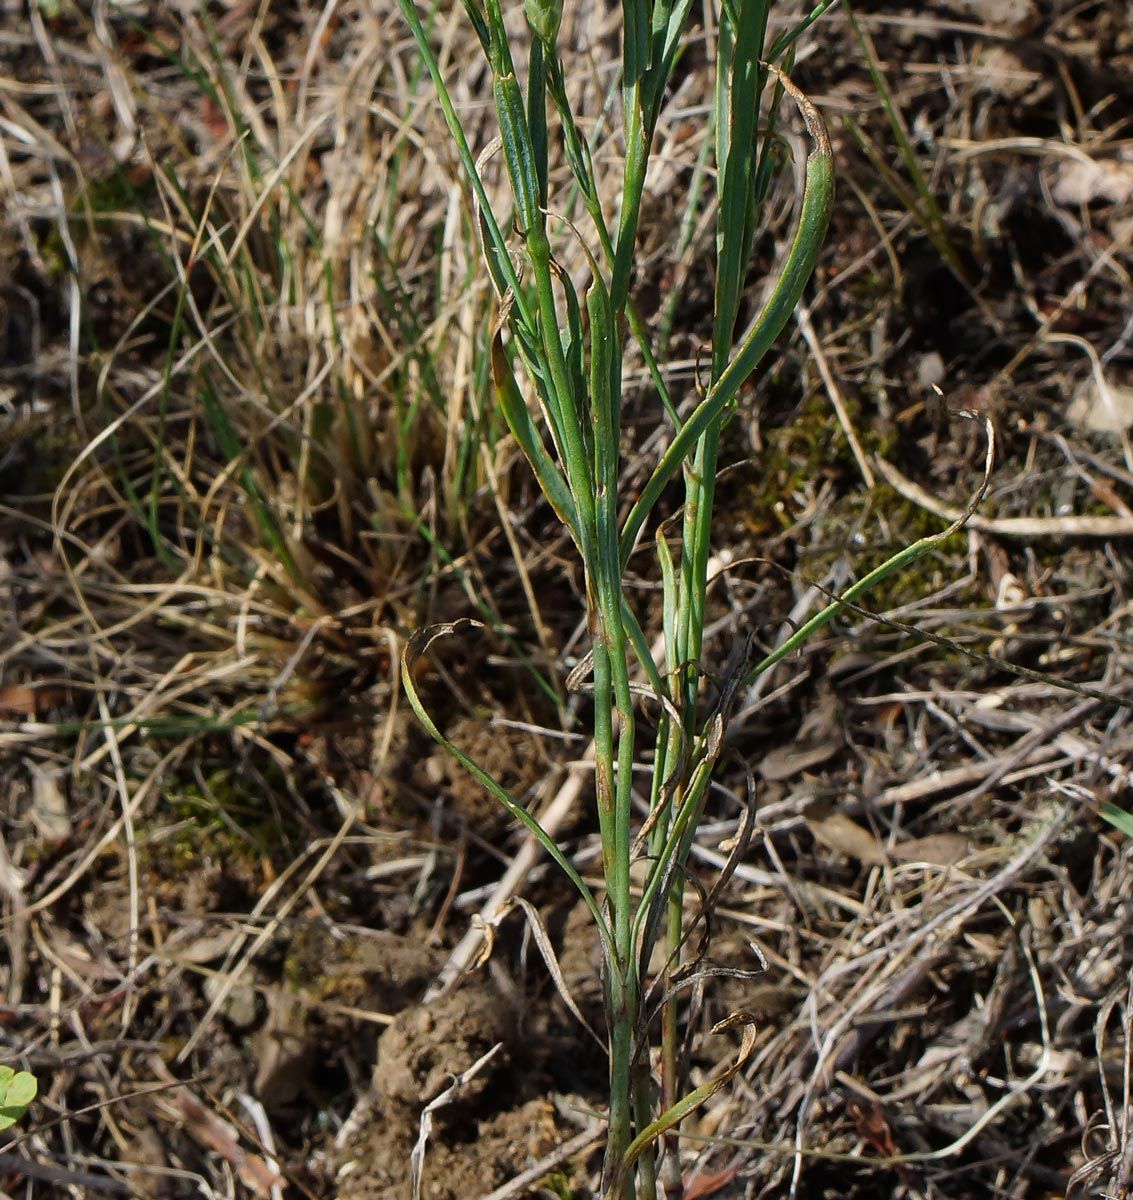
571,349
17,1091
1117,817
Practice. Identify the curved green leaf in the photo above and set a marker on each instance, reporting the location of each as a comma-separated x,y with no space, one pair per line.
675,1115
512,405
1117,817
814,217
418,646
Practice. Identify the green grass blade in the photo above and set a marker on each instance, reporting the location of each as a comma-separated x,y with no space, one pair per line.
740,85
236,452
927,211
786,40
690,1103
537,116
419,645
1117,817
902,558
495,244
515,411
814,217
515,134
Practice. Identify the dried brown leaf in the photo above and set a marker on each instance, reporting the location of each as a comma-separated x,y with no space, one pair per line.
788,761
941,849
838,832
210,1131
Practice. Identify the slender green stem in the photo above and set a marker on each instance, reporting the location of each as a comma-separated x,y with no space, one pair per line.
813,219
623,1003
499,262
633,187
670,1019
643,1115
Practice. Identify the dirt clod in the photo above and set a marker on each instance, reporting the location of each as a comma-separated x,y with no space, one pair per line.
427,1046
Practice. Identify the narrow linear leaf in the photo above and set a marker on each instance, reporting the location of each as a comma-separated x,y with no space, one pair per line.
902,558
1117,817
519,151
675,1115
515,411
419,645
814,217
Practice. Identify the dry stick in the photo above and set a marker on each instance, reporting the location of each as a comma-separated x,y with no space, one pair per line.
1025,527
1022,760
872,1023
815,894
1124,1173
92,1183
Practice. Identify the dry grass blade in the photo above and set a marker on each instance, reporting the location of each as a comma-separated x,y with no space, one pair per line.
417,1160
